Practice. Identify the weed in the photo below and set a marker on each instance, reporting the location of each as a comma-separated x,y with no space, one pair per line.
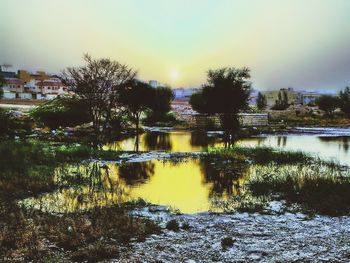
173,225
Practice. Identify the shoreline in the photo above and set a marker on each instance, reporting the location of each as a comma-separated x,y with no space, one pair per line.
256,238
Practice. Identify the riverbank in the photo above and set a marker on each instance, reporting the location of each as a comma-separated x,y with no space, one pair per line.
256,238
57,201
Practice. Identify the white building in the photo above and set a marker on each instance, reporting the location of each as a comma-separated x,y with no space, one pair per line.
153,83
13,85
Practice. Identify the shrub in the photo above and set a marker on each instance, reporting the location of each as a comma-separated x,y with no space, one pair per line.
62,111
227,242
173,225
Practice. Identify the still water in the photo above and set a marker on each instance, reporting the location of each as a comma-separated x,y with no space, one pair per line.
326,146
189,186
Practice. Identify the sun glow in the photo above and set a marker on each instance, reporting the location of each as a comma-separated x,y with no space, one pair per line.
174,75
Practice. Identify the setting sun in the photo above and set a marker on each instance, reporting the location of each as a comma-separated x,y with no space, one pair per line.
174,75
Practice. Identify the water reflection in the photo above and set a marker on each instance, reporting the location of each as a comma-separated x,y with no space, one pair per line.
202,139
342,141
187,186
281,141
158,141
175,141
223,181
136,173
332,148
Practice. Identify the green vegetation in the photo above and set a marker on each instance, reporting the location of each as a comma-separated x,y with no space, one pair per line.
11,126
99,84
344,98
227,242
226,94
328,104
2,83
282,101
27,170
137,99
85,236
261,155
158,113
317,188
173,225
62,112
261,101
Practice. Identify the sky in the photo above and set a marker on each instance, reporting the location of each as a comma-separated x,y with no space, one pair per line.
303,44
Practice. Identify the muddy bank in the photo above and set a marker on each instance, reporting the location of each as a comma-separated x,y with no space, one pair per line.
257,238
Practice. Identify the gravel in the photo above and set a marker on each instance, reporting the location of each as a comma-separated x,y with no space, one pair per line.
257,238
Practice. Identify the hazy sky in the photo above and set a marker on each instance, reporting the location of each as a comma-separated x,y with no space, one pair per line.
300,43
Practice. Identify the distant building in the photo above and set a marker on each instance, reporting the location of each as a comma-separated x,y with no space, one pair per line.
184,94
309,98
153,83
13,85
51,88
7,74
25,85
253,97
294,97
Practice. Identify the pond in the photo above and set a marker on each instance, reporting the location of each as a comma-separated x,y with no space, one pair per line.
333,145
189,185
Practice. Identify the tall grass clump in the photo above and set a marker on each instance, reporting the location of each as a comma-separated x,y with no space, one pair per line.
261,155
316,188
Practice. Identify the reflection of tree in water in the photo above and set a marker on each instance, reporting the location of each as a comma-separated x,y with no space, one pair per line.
201,139
83,187
281,141
158,141
137,172
343,141
225,179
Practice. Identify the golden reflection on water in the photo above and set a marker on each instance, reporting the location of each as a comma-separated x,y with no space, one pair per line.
175,141
187,186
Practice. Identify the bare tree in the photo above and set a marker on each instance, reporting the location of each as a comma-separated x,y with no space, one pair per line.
99,84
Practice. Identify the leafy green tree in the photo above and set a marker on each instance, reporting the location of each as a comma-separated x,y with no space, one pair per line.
62,112
6,123
282,101
261,101
226,94
344,101
160,106
136,99
2,83
328,104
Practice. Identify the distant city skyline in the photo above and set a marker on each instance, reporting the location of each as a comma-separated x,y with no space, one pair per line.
285,43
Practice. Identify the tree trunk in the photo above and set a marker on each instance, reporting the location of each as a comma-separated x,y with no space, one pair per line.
137,133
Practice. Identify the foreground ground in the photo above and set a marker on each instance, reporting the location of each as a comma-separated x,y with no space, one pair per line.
256,238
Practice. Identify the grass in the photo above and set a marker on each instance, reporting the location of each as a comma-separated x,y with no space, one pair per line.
85,236
260,155
240,203
317,189
266,155
173,225
28,169
315,185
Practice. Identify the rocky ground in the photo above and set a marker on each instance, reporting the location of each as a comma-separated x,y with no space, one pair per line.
256,238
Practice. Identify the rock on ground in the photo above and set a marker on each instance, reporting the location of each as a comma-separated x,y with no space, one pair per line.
257,238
